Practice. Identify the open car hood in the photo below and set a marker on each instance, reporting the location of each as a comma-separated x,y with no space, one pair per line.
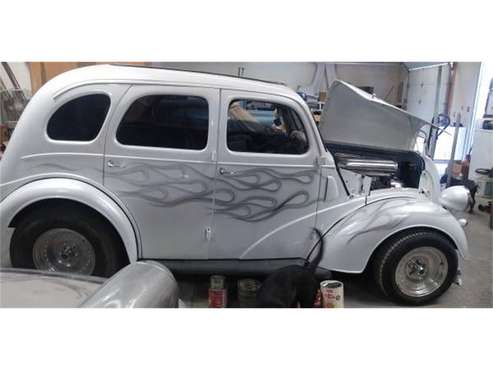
355,117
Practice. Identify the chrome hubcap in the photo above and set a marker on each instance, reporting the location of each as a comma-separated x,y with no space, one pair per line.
64,250
421,271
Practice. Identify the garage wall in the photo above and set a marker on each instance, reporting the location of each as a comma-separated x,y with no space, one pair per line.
465,92
423,86
21,72
482,140
32,75
421,91
292,74
384,77
464,100
421,99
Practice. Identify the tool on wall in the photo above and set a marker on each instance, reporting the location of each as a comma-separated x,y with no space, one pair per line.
485,191
12,103
323,72
440,123
13,100
456,124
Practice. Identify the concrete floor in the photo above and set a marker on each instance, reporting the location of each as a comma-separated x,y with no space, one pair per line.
359,291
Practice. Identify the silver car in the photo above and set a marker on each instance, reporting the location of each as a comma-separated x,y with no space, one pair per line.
207,173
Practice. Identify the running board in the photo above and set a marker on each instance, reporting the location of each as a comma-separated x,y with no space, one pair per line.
234,267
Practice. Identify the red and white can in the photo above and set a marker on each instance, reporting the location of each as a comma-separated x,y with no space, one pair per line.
218,294
218,298
332,292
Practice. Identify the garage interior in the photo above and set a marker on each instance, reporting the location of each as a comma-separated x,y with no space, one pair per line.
457,97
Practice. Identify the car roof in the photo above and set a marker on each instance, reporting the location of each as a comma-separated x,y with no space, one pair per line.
201,72
110,73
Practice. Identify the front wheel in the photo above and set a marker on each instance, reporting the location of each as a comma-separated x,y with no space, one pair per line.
416,267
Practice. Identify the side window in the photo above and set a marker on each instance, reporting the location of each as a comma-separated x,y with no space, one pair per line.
79,119
166,121
263,127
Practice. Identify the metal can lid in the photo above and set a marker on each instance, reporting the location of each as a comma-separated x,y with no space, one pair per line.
217,281
332,284
248,285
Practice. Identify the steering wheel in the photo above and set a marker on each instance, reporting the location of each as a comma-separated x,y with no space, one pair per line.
485,171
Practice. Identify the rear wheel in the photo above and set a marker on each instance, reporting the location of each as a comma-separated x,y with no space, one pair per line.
415,268
67,239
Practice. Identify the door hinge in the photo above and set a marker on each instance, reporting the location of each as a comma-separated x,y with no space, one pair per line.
213,155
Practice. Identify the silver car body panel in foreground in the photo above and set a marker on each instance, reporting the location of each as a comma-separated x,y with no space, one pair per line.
144,284
20,288
216,204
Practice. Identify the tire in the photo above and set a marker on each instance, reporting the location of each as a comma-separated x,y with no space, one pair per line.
101,249
408,263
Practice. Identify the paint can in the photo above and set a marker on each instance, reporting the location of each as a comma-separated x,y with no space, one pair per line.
247,292
218,294
332,294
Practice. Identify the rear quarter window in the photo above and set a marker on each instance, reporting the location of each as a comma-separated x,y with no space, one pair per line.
79,119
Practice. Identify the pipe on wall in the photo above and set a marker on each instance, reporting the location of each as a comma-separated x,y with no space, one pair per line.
450,88
11,75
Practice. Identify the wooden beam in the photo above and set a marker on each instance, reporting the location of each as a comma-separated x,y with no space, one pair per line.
42,72
36,72
53,69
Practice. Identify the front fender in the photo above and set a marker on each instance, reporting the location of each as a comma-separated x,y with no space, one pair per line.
70,189
351,242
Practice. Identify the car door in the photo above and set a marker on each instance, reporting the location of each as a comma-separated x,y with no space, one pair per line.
267,180
159,163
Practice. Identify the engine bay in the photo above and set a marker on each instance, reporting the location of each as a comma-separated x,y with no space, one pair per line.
362,166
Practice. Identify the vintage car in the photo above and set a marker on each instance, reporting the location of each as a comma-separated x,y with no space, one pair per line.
206,173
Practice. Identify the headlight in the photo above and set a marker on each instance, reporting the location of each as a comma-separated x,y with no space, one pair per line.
456,198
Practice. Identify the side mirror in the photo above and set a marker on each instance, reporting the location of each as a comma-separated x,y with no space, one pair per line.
455,198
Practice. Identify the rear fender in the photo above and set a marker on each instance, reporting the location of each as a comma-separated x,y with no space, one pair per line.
70,189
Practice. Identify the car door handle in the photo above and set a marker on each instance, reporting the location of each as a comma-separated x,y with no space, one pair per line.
112,164
224,171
